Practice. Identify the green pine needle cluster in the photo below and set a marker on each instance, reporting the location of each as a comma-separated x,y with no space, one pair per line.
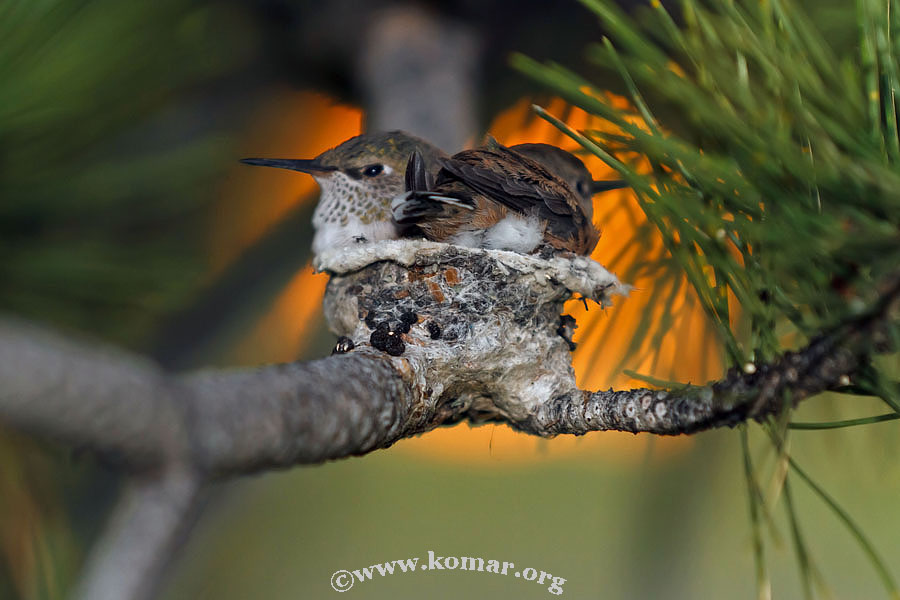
774,179
783,188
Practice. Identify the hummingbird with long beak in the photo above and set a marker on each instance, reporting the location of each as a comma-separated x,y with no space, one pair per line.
358,180
504,198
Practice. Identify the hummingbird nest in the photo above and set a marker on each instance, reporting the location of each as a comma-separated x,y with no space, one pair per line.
479,332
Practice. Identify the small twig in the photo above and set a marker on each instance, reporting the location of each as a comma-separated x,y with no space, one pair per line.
146,527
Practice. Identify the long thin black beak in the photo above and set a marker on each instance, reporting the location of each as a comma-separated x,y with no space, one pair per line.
605,186
293,164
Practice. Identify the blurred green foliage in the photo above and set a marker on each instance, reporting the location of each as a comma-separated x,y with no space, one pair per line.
666,522
108,158
785,190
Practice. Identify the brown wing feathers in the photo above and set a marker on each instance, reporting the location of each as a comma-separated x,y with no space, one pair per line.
474,179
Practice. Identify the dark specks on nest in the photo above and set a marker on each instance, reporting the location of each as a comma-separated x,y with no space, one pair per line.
407,320
386,338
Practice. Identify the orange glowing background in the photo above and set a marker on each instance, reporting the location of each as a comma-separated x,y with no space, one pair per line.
682,347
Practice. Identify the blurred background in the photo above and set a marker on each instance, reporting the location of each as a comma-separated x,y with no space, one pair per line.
125,217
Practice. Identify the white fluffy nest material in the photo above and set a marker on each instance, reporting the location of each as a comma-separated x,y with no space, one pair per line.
578,274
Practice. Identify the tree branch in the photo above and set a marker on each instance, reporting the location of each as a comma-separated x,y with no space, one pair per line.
768,390
757,392
300,413
87,395
217,421
434,334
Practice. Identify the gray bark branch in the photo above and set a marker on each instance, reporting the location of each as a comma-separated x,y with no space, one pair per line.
439,334
733,400
309,412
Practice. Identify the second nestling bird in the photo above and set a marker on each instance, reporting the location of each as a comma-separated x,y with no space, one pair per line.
518,199
570,169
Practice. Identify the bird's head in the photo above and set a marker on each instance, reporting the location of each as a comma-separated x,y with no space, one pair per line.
373,161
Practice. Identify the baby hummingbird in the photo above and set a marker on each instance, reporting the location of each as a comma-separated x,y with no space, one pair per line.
502,198
570,169
358,180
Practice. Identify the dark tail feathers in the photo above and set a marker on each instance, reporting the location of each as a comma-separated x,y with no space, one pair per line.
418,179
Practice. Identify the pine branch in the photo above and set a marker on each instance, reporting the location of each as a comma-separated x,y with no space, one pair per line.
421,356
217,422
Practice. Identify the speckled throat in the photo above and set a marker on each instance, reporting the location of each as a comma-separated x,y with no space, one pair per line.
353,210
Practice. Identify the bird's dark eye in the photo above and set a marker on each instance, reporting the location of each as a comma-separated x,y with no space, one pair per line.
582,188
373,170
